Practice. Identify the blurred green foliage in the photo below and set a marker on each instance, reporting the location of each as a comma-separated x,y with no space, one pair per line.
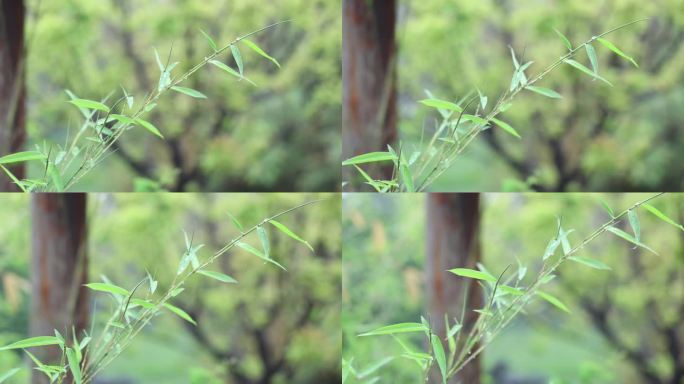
294,315
597,138
282,135
384,256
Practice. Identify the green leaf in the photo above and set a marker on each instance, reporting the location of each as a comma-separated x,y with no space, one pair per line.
56,177
39,341
122,119
218,276
230,71
511,290
149,126
608,208
109,288
265,243
181,313
74,365
545,92
16,181
289,232
617,50
441,104
591,52
551,248
515,61
89,104
634,223
370,157
630,238
593,263
551,299
260,51
506,127
587,71
236,223
397,328
258,253
473,274
143,303
565,39
190,92
211,41
438,350
474,119
407,177
238,58
661,215
20,157
9,374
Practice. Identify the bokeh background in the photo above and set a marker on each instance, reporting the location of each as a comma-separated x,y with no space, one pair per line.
384,282
296,314
280,136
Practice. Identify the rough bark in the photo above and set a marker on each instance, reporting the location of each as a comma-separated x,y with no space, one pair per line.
369,76
59,269
12,88
453,223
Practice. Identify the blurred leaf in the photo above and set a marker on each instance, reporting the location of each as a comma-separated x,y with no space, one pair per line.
236,223
506,127
370,157
211,41
441,104
109,288
438,350
89,104
615,49
181,313
593,263
634,223
21,157
230,71
189,92
9,374
407,178
473,274
74,365
260,51
265,243
39,341
238,58
565,39
591,52
397,328
551,299
149,126
218,276
284,229
587,71
662,216
629,238
545,92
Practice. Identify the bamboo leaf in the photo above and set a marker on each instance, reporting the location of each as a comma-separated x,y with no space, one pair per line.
14,179
475,119
74,365
89,104
608,208
236,223
553,300
56,177
506,127
407,177
265,243
39,341
441,104
630,238
109,288
473,274
149,126
9,374
218,276
591,52
20,157
655,211
230,71
593,263
438,350
565,39
370,157
238,58
260,51
587,71
211,41
511,290
190,92
284,229
634,223
615,49
397,328
545,92
258,253
181,313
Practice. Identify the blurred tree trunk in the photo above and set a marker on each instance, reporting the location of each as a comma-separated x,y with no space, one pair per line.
59,269
453,223
369,76
12,87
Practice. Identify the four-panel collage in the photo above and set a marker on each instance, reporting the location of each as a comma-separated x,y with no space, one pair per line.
341,191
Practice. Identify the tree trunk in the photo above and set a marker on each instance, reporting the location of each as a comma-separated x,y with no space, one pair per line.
453,223
59,270
369,76
12,87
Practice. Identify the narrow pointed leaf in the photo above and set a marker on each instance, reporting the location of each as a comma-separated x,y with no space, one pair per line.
149,126
265,243
89,104
74,365
190,92
397,328
438,350
260,51
615,49
634,223
284,229
218,276
109,288
441,104
591,53
8,374
236,223
39,341
20,157
593,263
587,71
238,58
506,127
630,238
608,208
407,178
553,300
565,39
181,313
473,274
659,214
544,91
259,254
370,157
211,41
